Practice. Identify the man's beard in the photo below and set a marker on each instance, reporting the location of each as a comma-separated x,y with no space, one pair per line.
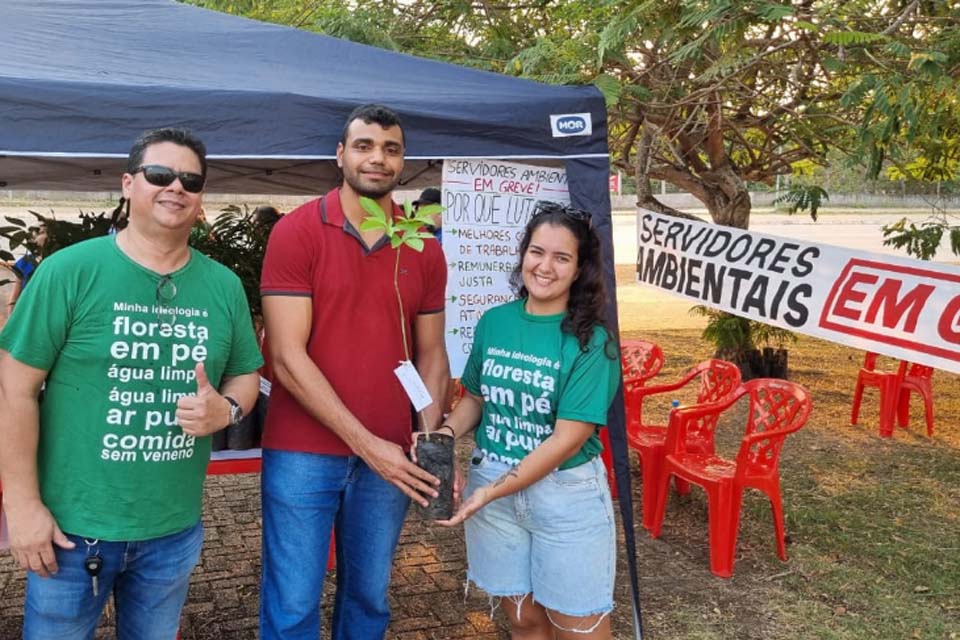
374,193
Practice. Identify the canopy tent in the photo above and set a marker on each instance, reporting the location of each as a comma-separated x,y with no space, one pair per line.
80,80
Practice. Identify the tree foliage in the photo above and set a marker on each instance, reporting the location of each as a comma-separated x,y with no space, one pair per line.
704,94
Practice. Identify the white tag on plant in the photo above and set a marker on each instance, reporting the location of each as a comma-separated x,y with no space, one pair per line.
413,384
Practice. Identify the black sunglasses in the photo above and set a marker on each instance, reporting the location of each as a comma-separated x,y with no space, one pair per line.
547,206
161,176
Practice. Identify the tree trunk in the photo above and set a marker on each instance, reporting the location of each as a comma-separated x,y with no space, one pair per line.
641,176
727,198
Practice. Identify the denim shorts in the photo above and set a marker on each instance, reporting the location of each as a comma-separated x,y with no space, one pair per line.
555,539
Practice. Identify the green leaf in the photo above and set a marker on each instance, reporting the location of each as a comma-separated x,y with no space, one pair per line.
833,64
852,38
638,91
609,87
414,243
429,210
16,221
920,242
406,225
802,197
614,36
926,61
774,12
898,49
396,241
372,224
372,207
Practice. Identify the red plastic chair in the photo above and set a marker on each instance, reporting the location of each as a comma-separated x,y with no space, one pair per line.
640,360
718,379
895,388
777,409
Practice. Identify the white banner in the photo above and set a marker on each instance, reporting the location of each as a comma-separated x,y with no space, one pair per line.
486,205
899,307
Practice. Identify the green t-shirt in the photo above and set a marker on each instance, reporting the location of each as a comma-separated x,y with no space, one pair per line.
531,374
120,350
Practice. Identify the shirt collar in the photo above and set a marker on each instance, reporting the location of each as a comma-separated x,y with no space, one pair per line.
331,212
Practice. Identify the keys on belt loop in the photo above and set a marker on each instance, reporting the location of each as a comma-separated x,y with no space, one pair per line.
93,563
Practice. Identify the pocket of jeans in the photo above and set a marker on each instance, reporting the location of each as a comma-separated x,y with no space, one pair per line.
584,475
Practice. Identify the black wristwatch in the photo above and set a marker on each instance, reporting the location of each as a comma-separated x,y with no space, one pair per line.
236,412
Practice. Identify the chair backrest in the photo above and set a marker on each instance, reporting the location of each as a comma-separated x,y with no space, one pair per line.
870,364
718,379
777,409
917,370
641,360
905,368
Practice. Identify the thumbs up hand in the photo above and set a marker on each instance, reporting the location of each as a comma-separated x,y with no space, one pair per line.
203,382
205,412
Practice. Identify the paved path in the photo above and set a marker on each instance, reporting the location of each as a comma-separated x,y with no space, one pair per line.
426,595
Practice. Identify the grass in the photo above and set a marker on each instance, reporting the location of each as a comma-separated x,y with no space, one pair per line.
873,524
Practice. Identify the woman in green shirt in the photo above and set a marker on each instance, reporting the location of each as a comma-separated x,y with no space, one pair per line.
540,378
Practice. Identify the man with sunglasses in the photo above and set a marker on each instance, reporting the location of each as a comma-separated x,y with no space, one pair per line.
146,348
339,422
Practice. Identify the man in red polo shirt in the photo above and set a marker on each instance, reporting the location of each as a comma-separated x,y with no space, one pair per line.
338,425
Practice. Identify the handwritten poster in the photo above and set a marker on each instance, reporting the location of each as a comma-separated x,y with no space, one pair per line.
487,204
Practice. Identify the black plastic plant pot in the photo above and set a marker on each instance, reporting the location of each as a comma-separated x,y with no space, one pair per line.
435,456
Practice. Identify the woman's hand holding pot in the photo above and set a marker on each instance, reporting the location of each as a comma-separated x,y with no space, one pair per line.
477,500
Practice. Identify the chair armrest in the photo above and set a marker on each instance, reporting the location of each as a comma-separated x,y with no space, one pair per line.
682,416
670,386
706,408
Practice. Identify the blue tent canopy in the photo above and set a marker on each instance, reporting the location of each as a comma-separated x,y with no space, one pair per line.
79,81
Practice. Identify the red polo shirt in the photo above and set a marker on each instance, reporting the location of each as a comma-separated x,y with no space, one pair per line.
356,340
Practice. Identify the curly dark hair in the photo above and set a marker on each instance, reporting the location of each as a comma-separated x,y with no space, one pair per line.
588,293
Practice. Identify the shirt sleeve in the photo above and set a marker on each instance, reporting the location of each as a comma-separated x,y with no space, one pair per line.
436,278
24,267
592,371
38,326
472,370
289,260
245,356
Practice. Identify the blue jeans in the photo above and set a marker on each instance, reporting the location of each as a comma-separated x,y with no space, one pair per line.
305,496
149,581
